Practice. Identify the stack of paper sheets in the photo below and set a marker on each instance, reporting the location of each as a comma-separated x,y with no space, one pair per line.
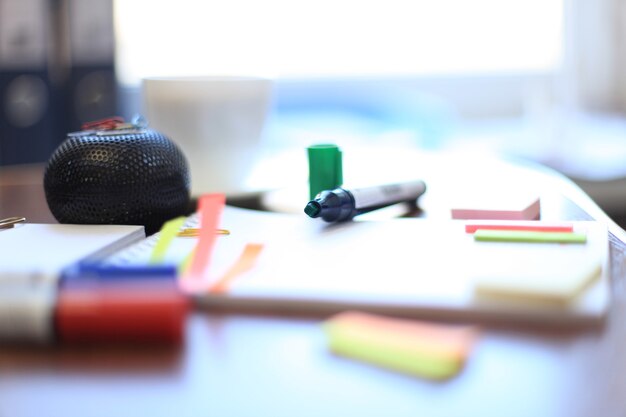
415,267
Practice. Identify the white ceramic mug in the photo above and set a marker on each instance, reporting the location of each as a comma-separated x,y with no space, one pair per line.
216,121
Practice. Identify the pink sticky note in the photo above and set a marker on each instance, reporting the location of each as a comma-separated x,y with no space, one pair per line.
210,208
531,226
499,208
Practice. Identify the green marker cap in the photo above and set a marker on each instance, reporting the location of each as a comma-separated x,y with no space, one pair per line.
325,168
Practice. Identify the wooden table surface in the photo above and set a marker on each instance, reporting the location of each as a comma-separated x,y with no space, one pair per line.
245,365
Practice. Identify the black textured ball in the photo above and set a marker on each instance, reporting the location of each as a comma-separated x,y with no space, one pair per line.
136,178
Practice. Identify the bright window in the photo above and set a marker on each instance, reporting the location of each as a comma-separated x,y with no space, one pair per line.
300,39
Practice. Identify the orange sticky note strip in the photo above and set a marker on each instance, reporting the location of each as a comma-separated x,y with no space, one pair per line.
244,263
210,208
419,348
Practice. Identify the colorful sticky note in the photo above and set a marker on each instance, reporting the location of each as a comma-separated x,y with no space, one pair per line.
498,206
549,278
166,236
418,348
531,226
528,237
245,262
210,209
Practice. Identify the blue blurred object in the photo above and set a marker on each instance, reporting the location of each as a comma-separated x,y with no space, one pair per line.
347,111
103,272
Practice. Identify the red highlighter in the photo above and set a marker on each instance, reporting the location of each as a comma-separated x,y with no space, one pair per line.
114,315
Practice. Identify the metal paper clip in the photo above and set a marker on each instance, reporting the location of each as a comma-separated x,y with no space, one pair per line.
195,232
11,221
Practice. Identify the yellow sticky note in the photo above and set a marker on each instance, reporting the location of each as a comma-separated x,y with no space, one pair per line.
418,348
556,280
166,236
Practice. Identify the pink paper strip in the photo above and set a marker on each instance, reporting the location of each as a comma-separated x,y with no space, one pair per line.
210,208
539,227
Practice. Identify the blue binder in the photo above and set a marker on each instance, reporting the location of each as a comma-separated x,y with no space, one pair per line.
29,129
91,89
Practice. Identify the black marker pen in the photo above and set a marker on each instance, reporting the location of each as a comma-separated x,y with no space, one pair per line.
341,204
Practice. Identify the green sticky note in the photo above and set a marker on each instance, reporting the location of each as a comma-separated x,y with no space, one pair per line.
354,344
528,237
417,348
166,236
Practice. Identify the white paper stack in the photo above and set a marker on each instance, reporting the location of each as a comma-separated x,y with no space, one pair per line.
415,267
32,257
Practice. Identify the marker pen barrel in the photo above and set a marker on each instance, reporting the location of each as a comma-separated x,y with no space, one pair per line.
341,204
